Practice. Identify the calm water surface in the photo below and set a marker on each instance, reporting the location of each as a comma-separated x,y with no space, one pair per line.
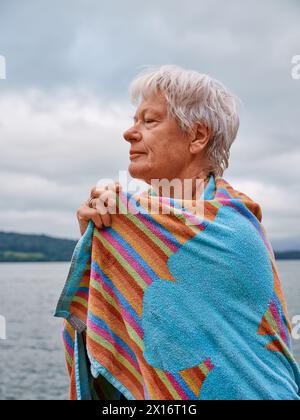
32,361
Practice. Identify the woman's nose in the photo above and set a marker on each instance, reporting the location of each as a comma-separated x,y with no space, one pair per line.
132,134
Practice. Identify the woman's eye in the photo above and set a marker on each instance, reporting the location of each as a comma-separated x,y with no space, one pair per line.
149,121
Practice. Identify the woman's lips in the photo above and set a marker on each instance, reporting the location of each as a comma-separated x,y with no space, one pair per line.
135,155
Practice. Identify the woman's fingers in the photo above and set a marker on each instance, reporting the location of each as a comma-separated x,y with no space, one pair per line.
97,221
103,213
85,214
117,187
100,208
106,202
104,206
96,192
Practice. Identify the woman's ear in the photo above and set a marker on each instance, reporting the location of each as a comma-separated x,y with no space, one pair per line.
200,138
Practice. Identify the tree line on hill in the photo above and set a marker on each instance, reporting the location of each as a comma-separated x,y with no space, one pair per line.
16,247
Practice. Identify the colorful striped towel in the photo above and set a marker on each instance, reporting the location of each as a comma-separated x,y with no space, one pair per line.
178,305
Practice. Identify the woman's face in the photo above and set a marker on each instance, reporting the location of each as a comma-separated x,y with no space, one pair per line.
161,146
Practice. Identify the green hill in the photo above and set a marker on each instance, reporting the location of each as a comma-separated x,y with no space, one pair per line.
287,255
15,247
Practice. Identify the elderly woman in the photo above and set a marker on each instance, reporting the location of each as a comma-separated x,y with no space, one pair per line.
183,129
185,304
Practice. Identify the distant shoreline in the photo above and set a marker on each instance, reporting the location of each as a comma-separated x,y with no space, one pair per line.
20,248
16,247
287,255
69,261
35,262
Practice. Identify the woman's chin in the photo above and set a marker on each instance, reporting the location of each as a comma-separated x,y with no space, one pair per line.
138,170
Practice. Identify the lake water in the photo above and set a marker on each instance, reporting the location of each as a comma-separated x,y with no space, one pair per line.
32,361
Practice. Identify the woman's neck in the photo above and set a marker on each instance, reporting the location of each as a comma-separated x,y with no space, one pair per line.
182,188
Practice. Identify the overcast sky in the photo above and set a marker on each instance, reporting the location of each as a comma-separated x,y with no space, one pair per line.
64,104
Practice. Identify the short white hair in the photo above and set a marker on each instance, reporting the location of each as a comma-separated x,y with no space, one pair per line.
194,98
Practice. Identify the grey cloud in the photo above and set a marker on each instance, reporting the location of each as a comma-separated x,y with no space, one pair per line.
64,106
65,138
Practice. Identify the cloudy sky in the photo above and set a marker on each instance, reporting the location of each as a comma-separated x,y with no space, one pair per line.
64,104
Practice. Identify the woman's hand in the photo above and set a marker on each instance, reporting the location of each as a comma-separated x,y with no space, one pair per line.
99,208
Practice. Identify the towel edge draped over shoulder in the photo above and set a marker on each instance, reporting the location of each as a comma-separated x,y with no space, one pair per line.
178,306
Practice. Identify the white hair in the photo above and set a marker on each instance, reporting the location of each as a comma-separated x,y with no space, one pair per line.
194,98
